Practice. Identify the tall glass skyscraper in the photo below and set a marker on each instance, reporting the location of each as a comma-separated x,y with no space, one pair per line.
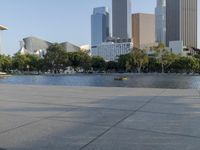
122,21
160,24
100,30
181,22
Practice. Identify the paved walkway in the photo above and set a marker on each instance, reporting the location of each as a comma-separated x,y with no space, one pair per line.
87,118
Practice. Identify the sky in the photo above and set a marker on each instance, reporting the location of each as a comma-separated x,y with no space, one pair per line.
55,20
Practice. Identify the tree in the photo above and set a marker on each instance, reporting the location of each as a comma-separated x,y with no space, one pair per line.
159,51
167,59
5,63
125,62
86,62
20,62
33,62
154,65
197,57
112,66
41,66
79,60
98,63
139,57
185,64
55,58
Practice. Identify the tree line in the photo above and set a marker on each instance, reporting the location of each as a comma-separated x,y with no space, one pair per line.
57,60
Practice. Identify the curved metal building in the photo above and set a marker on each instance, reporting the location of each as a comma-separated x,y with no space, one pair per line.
3,28
33,44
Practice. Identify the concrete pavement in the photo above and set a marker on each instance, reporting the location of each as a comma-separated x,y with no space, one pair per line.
90,118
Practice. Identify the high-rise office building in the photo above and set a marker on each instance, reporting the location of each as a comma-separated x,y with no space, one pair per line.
99,26
181,22
121,19
160,21
143,30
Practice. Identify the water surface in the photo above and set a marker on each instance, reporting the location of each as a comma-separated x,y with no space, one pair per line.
107,80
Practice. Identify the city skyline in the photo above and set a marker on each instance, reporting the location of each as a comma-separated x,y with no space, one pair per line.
71,22
183,25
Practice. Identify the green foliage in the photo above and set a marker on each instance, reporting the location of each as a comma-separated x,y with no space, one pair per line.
112,66
154,65
25,62
124,62
98,63
57,60
139,57
32,62
185,65
87,62
80,60
5,63
20,62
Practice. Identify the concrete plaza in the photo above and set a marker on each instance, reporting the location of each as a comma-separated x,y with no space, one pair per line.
91,118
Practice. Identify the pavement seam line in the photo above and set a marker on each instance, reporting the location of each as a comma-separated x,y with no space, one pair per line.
158,132
26,124
127,116
198,92
23,125
75,122
75,106
163,113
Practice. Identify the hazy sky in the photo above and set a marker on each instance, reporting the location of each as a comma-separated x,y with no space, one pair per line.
54,20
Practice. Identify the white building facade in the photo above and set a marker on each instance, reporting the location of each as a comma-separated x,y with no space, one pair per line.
111,51
160,23
178,48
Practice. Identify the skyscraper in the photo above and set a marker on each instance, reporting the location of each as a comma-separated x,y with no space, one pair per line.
181,22
122,24
143,30
100,30
160,24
